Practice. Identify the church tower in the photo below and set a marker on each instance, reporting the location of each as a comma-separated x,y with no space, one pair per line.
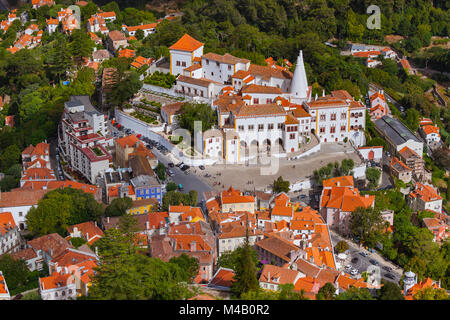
299,83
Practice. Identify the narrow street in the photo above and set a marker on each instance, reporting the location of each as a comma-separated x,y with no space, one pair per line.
363,263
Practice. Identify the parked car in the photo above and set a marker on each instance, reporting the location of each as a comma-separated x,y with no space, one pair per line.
185,167
387,268
201,167
348,267
180,164
354,272
373,261
389,275
363,253
180,187
170,173
170,165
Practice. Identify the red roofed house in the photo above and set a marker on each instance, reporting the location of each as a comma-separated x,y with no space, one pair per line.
9,121
273,276
140,61
9,234
233,200
129,146
439,228
57,287
89,231
430,133
424,197
97,23
116,40
183,52
223,279
48,247
31,154
400,170
406,66
146,28
126,53
337,203
40,3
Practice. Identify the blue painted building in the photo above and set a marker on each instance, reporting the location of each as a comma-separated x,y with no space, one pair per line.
147,187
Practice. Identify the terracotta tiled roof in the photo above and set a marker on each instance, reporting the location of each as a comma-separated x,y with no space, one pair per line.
344,181
21,198
261,110
70,257
429,129
290,119
87,229
345,198
425,192
342,94
300,112
129,141
255,88
307,268
234,196
266,72
241,74
6,223
54,281
327,102
173,108
158,219
399,165
142,27
25,254
186,43
278,275
116,35
126,53
278,247
405,64
226,58
223,278
52,241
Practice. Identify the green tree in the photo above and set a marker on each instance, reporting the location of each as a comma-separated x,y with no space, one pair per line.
355,294
189,265
431,294
81,45
191,112
373,176
366,223
280,185
341,246
171,186
9,157
59,209
77,241
327,292
140,34
160,171
118,207
390,291
124,89
245,271
15,272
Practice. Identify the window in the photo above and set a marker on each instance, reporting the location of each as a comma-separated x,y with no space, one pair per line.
229,68
342,128
322,129
333,116
360,114
63,293
178,63
323,117
296,128
280,126
343,115
20,213
270,126
217,64
332,129
212,73
241,128
256,101
207,61
183,63
292,136
260,127
251,127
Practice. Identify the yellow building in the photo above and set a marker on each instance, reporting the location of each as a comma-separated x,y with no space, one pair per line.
143,206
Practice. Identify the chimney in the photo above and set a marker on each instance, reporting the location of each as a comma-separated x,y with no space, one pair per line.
87,236
95,223
193,246
147,225
96,251
268,275
107,219
323,93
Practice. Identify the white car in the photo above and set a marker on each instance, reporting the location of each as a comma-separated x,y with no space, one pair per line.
354,272
348,267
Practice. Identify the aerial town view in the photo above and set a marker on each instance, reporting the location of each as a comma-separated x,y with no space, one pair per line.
229,150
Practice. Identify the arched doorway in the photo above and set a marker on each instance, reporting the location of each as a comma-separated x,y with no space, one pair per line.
371,155
278,145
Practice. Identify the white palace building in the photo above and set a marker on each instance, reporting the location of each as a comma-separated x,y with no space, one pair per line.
261,107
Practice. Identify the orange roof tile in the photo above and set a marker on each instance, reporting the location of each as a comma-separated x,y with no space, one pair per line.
186,43
6,223
343,181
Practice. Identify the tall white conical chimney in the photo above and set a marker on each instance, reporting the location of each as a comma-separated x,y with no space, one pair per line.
299,83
